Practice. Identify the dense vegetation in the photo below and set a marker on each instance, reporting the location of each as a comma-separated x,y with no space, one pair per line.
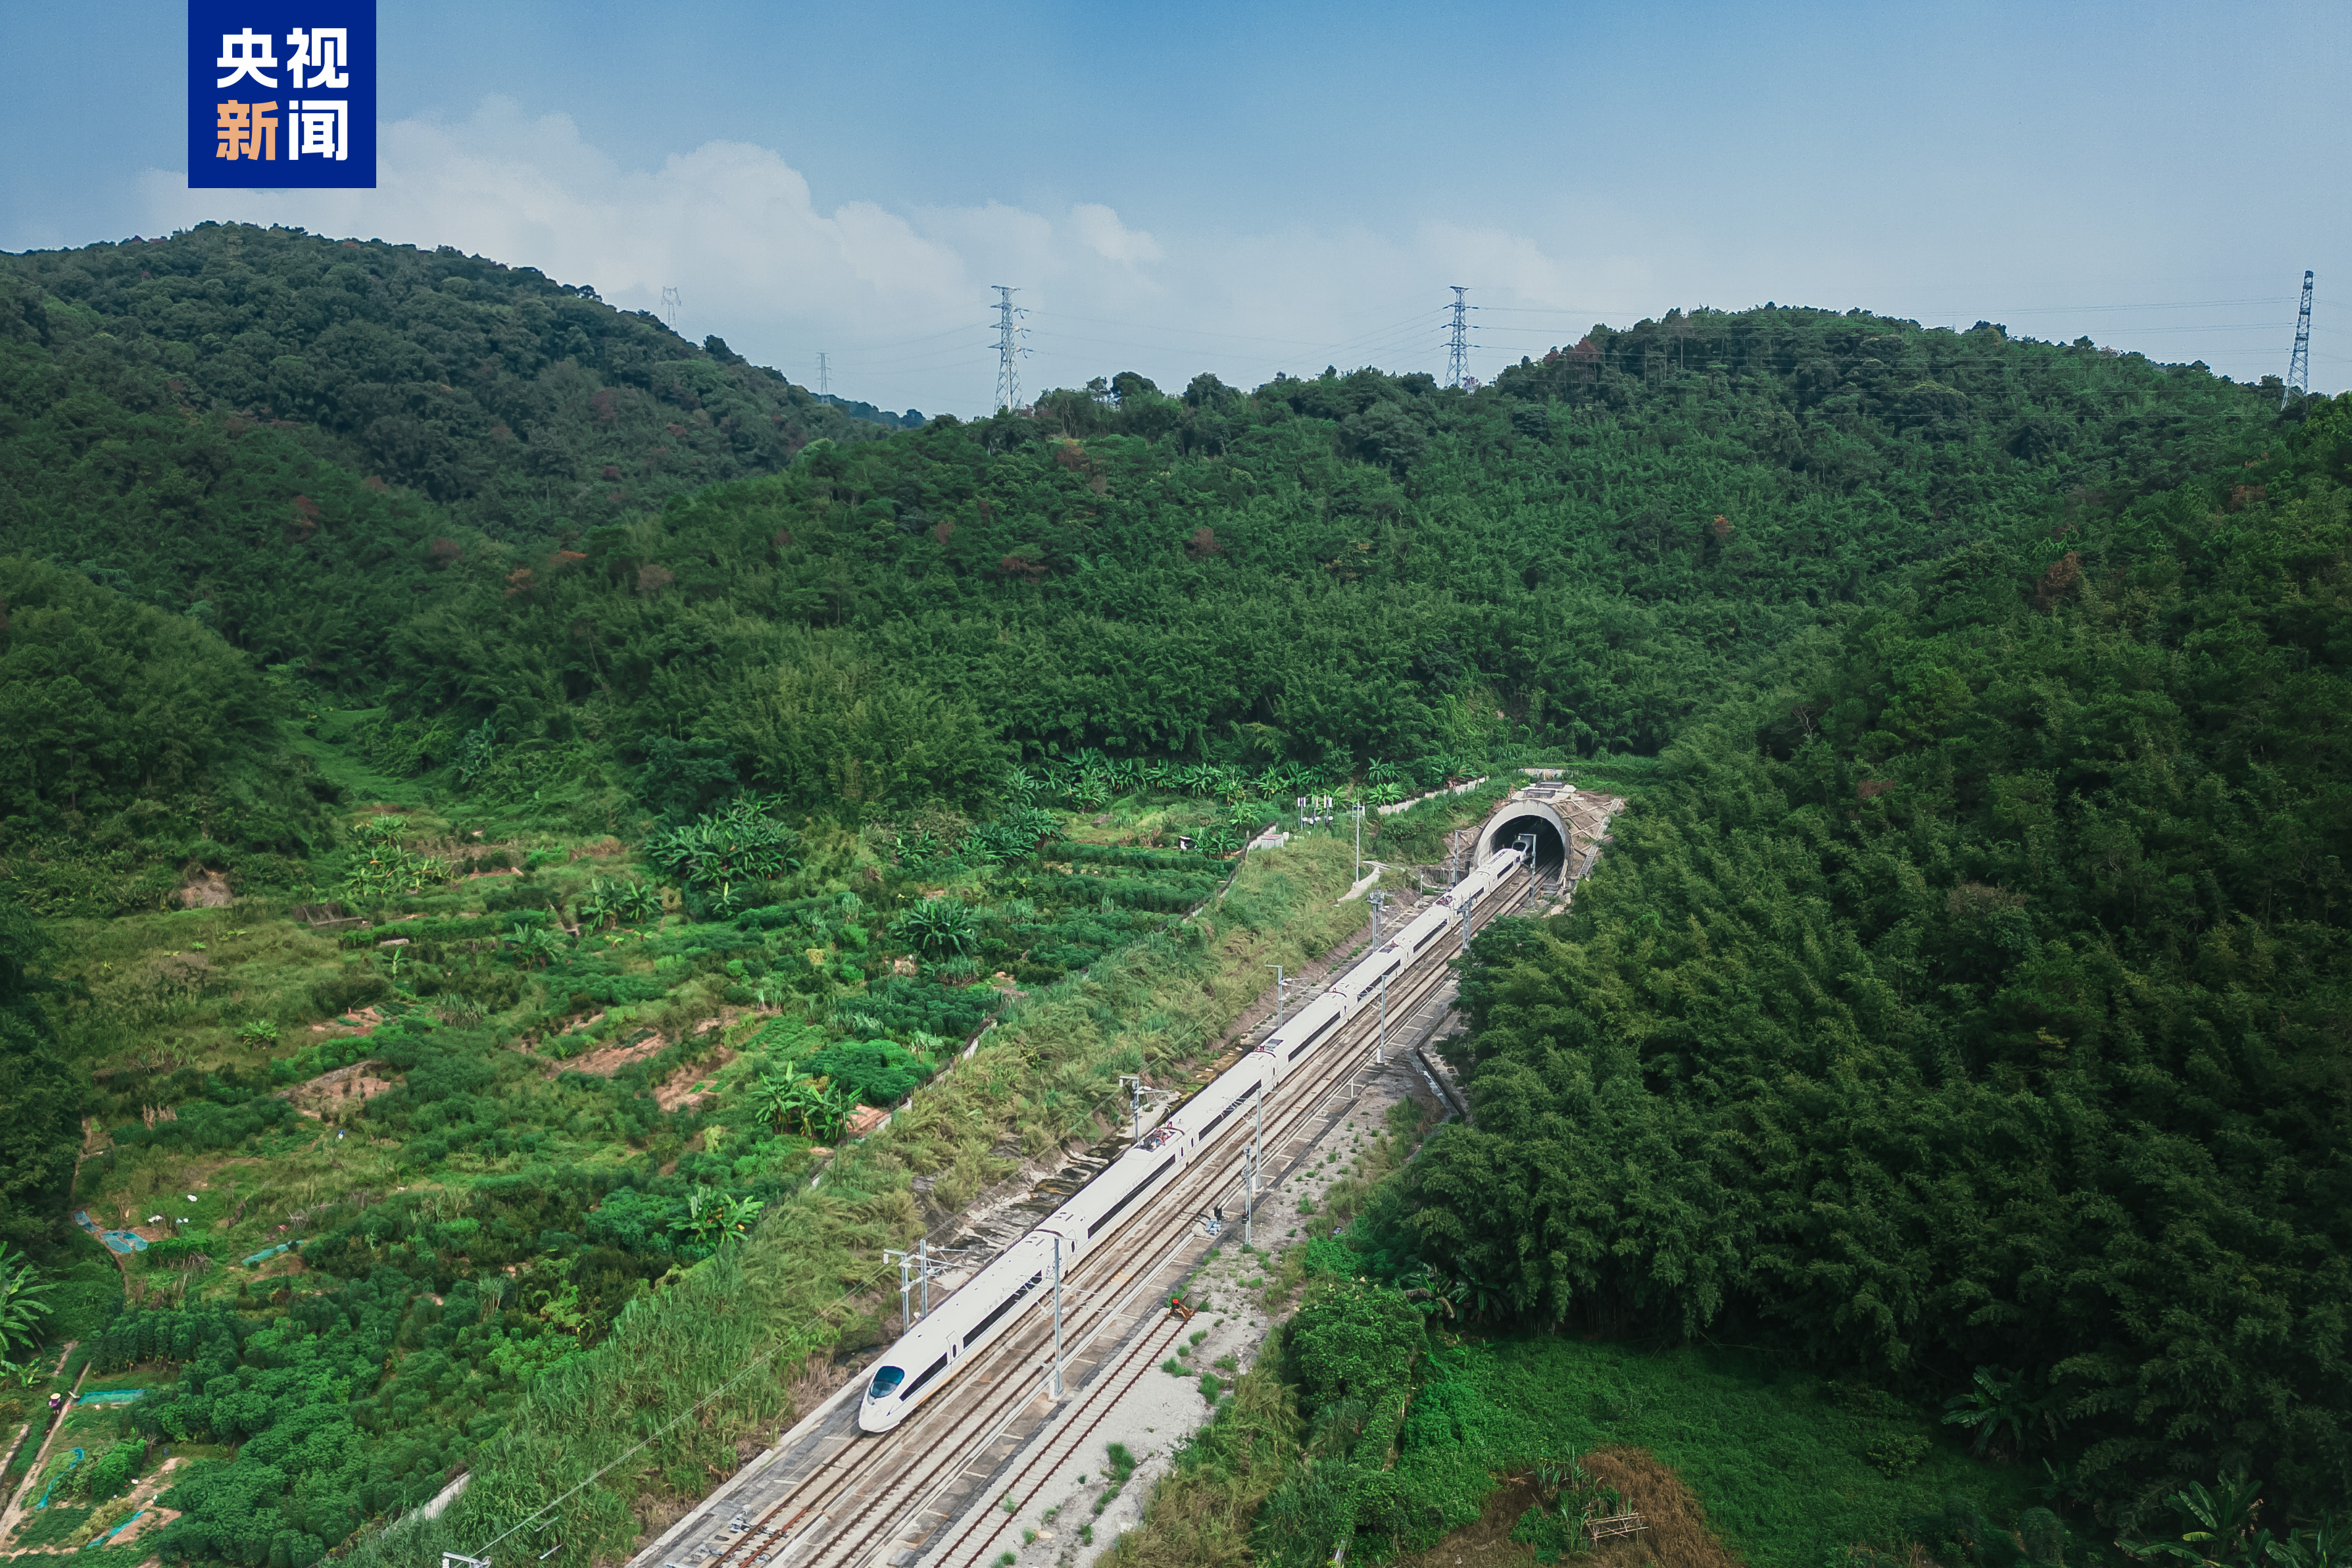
521,404
1331,570
1959,1013
1974,995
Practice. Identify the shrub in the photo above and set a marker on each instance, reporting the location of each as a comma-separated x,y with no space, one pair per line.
353,988
878,1072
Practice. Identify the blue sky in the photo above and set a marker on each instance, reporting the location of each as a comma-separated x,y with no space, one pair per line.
1247,189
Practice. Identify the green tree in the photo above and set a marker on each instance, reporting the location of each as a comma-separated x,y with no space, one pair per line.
40,1099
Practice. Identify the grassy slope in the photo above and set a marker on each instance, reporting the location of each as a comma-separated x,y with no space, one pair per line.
167,995
326,741
811,1277
1780,1459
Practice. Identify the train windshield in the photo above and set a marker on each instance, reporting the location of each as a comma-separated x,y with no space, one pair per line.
889,1378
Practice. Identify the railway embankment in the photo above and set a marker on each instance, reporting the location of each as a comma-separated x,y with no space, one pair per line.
948,1479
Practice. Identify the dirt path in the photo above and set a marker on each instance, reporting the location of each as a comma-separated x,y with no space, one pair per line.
16,1504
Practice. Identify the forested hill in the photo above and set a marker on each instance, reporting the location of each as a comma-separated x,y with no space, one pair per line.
468,496
1324,570
522,404
1967,1003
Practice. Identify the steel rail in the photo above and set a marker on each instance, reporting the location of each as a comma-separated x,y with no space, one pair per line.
939,1443
1339,1066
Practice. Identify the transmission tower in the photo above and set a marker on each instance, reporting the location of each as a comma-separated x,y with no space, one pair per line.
1008,347
824,386
1457,348
670,304
2298,366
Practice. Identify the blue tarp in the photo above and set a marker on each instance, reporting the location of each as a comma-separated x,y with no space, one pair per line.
116,1240
73,1459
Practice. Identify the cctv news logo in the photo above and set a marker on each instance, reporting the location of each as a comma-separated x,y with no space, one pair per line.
281,94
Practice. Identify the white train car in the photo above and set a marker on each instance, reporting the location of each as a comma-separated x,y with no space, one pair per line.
1313,1026
1097,1209
1233,1093
1361,985
993,1301
996,1298
928,1355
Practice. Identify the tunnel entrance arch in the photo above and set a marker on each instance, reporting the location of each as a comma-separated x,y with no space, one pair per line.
1535,817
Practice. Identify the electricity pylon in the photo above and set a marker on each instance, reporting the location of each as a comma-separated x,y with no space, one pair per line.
1457,348
1008,347
2298,365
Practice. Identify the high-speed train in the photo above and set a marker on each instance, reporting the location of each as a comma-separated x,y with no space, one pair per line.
1020,1278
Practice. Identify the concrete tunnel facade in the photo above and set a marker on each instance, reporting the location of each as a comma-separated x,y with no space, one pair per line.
1519,817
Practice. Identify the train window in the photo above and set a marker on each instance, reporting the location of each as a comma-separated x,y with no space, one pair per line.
1299,1048
889,1378
1228,1110
1113,1213
1001,1308
929,1372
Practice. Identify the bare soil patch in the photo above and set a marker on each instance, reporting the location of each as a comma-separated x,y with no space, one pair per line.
204,889
606,1060
1677,1536
678,1091
336,1092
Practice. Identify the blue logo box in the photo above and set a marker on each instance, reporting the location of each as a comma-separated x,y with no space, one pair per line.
281,95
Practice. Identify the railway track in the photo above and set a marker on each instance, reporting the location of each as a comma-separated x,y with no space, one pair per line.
830,1496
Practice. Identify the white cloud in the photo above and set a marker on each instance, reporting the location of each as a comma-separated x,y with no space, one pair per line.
1099,228
899,299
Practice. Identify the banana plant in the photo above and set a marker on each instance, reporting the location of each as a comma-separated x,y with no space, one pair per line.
638,902
793,1101
2222,1528
1995,1400
740,842
598,906
939,928
21,1308
538,945
716,1217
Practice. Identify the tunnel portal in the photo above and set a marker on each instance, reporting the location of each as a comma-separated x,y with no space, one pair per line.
1520,817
